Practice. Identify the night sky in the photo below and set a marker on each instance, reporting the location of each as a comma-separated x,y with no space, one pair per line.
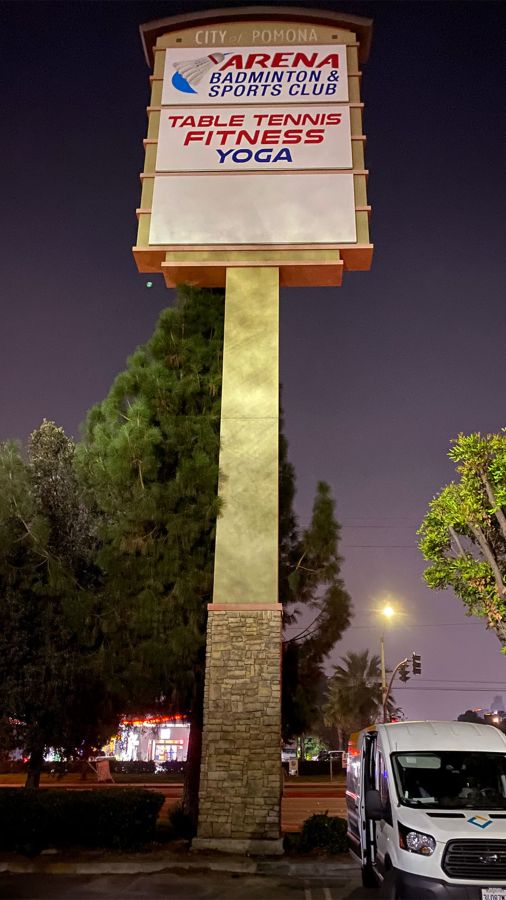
378,375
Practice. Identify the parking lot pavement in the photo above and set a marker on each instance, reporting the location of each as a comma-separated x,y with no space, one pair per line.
180,886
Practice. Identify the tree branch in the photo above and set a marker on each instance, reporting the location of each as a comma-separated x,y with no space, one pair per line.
501,518
455,538
489,556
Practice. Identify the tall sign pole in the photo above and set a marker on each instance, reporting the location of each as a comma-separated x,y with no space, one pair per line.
254,178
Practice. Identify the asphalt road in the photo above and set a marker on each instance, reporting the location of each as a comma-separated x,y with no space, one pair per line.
180,886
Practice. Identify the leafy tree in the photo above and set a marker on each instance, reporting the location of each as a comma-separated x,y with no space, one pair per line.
463,535
354,698
51,686
471,716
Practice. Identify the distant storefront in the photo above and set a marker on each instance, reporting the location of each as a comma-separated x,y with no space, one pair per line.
157,738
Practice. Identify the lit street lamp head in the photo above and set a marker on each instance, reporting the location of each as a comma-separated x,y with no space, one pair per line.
388,611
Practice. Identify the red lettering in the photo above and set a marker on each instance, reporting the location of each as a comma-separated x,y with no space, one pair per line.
300,59
281,60
245,136
292,136
331,60
271,137
193,136
334,118
257,59
276,119
224,135
314,136
235,62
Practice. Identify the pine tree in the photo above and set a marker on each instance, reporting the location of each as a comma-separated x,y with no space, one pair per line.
150,460
311,581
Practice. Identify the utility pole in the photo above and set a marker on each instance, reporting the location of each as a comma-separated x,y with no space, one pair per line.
384,692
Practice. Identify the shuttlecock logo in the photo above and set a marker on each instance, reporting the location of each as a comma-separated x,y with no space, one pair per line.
190,72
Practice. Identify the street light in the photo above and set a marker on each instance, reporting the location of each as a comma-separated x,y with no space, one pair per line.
388,612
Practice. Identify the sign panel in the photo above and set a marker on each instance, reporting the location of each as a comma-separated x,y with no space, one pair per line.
253,209
256,74
260,137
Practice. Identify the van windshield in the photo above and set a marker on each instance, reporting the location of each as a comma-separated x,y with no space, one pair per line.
451,780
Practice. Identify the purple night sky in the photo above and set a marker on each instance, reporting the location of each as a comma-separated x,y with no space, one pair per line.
378,375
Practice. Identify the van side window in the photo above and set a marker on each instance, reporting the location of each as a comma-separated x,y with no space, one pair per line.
382,782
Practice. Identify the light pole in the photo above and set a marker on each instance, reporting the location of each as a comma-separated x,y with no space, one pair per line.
387,612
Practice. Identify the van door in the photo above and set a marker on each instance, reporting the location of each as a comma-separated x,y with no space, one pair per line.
383,827
369,782
353,794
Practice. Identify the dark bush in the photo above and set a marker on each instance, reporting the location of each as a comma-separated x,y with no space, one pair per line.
172,767
122,818
133,767
12,766
318,767
324,832
181,824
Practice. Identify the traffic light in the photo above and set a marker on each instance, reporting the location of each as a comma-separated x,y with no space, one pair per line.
404,671
417,663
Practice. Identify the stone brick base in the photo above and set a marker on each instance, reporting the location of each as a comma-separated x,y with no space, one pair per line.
240,784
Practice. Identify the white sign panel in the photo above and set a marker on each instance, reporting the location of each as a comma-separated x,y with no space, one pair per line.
255,74
253,209
260,137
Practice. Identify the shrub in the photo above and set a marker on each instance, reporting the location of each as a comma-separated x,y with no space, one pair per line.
173,767
133,767
12,766
122,818
181,824
319,767
324,832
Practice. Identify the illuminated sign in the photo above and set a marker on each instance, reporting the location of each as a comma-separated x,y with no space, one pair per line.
259,209
256,74
297,137
255,145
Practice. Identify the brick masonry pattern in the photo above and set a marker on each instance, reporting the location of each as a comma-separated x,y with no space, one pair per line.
240,787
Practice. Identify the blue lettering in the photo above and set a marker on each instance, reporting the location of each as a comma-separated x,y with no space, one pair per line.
223,154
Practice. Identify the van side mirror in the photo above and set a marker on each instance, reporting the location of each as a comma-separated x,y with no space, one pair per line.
373,806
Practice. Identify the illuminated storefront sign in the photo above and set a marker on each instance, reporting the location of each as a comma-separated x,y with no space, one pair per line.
297,137
253,74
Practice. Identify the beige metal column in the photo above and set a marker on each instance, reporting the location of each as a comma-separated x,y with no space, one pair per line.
246,561
240,777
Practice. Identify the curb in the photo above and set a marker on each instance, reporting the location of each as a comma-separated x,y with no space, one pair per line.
167,863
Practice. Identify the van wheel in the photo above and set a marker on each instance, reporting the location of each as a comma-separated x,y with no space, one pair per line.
369,879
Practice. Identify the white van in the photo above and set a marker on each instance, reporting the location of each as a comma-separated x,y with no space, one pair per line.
427,809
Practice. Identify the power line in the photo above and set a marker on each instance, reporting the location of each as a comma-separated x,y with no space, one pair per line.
458,681
466,690
413,546
432,625
384,525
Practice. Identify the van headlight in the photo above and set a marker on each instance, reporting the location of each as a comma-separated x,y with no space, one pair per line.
416,841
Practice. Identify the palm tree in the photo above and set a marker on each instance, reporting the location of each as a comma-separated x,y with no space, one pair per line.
354,694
